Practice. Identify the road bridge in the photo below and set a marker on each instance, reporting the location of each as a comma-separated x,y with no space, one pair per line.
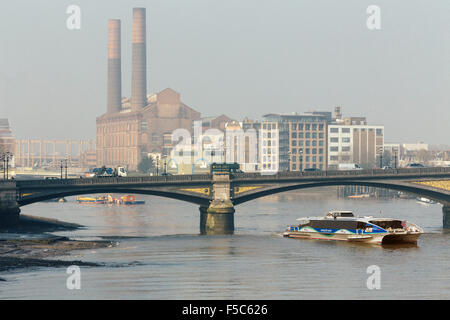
218,194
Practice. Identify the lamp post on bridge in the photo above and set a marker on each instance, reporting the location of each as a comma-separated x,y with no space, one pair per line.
395,159
157,165
289,161
301,159
65,160
6,157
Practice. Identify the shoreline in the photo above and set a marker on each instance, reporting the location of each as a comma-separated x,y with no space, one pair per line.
28,245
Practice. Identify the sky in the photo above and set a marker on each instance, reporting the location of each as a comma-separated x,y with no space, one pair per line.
238,57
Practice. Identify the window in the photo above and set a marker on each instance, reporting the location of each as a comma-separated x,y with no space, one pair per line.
300,126
321,143
314,143
320,127
314,126
346,140
294,167
320,150
144,125
334,130
334,149
345,130
308,143
294,126
294,151
294,159
345,149
294,143
300,135
307,151
314,135
320,135
307,127
379,132
308,135
294,135
334,139
334,158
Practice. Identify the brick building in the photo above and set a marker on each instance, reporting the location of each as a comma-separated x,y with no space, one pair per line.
124,136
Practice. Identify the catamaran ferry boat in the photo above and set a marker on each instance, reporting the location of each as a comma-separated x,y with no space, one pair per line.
344,226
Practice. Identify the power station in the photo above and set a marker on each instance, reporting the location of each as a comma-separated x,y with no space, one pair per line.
142,124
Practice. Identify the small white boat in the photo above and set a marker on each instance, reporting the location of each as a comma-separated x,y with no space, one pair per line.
344,226
425,200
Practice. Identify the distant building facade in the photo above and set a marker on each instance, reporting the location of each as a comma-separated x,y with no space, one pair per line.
294,142
360,144
123,137
7,141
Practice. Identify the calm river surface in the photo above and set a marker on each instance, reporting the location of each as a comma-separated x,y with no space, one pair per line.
160,254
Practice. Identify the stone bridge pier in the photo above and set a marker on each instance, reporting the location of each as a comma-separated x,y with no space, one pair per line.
9,208
446,215
218,217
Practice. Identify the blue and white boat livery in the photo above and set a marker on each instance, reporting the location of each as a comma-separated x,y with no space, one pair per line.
344,226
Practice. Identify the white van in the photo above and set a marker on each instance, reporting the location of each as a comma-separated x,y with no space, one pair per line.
349,166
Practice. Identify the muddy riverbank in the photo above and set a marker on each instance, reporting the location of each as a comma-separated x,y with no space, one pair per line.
30,245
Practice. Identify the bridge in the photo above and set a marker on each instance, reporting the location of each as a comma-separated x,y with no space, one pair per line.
218,194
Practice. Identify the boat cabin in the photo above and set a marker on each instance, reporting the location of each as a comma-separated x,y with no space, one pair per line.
335,214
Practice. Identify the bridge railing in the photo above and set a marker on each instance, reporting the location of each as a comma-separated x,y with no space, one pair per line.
208,177
114,180
340,173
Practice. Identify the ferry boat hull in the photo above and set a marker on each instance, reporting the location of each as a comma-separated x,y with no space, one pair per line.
349,228
372,239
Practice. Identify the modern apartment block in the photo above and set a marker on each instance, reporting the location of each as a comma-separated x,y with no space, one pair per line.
361,144
294,142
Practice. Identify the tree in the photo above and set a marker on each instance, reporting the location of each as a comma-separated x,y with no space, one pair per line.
146,165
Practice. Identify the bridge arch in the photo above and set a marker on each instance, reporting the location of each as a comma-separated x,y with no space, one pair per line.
166,194
421,191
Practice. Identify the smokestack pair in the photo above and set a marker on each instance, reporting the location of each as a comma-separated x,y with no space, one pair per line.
139,64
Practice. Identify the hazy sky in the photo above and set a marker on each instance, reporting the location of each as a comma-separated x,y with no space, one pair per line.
238,57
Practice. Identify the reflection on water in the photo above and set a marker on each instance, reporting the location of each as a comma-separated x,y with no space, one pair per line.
161,254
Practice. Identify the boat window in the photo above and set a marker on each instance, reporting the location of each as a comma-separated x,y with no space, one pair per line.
347,214
334,224
361,225
394,224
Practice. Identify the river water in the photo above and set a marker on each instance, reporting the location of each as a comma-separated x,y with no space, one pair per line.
160,254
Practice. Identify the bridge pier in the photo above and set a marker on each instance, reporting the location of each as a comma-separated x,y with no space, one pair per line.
218,217
9,209
446,216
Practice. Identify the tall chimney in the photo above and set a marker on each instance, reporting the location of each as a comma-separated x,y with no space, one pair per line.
139,61
114,95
